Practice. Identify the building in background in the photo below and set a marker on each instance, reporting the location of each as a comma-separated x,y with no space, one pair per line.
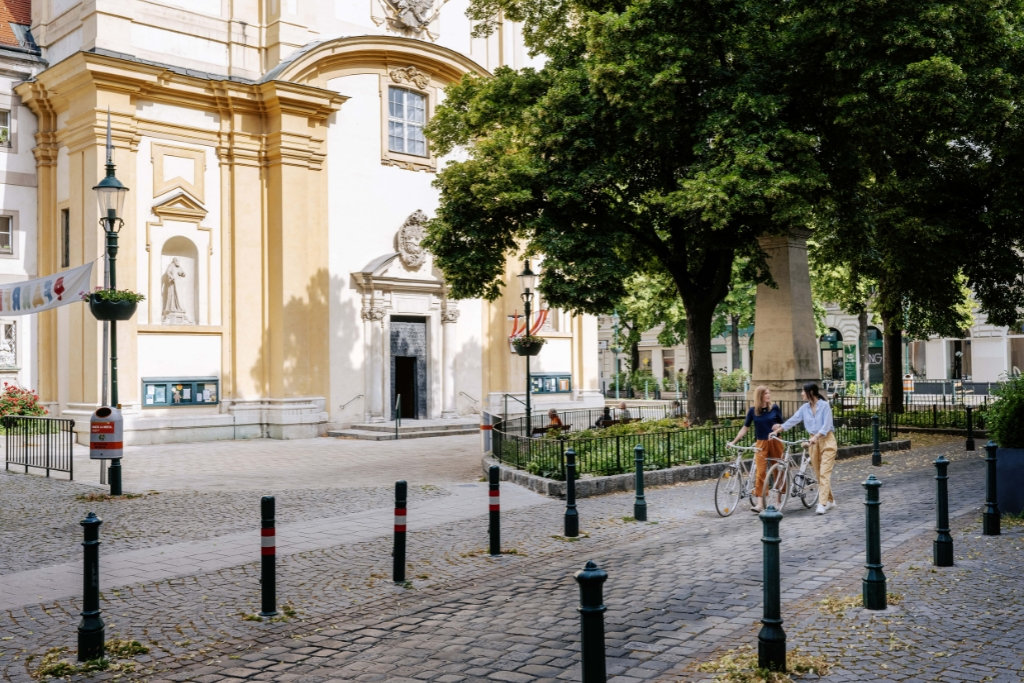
280,180
19,60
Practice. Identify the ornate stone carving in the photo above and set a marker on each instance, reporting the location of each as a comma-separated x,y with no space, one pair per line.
450,315
408,241
410,74
410,17
373,313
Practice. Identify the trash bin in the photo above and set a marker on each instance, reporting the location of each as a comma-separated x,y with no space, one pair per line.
908,384
106,434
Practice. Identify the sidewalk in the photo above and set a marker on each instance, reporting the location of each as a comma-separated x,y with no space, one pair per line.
683,588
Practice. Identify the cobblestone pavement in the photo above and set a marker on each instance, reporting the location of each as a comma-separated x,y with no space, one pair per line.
683,588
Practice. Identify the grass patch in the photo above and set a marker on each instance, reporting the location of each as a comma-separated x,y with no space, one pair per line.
477,552
837,606
571,539
1010,519
285,613
740,666
101,497
55,664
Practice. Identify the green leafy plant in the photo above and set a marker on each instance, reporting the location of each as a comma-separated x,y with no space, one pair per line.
1005,417
112,295
527,340
17,401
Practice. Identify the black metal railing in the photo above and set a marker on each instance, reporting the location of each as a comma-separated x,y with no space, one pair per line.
41,442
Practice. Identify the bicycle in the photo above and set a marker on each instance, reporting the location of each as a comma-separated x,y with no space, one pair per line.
787,478
736,481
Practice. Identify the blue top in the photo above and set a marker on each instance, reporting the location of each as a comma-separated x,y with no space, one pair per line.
763,423
817,421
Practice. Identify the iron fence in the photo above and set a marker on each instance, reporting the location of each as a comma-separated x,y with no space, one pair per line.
41,442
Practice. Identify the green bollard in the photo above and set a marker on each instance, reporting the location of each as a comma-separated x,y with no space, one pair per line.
771,641
91,627
970,429
990,518
114,474
639,505
874,580
591,609
876,454
572,517
942,549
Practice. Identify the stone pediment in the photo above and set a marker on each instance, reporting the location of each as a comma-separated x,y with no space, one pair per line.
388,272
181,207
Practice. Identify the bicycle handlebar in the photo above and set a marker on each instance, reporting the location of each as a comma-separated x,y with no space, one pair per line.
801,443
729,444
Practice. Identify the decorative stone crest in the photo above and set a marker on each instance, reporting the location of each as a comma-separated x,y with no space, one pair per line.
408,241
449,314
373,313
410,74
409,17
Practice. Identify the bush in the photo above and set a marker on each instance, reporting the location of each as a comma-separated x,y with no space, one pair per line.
17,401
1005,416
732,381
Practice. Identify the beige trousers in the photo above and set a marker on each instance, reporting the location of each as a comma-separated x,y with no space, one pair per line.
823,458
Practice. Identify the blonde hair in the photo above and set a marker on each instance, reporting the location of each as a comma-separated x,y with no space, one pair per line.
759,393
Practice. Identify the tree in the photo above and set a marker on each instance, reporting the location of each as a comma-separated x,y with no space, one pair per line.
736,309
653,141
917,108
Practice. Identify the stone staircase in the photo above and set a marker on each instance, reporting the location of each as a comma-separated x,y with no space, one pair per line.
409,429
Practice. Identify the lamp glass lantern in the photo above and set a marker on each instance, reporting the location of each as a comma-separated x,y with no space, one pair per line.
110,195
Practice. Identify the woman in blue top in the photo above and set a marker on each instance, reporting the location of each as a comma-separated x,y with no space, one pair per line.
763,414
817,418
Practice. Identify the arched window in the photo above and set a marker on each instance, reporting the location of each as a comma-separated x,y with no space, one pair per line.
179,289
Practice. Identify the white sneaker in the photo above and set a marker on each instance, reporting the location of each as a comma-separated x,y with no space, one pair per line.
829,505
821,509
757,508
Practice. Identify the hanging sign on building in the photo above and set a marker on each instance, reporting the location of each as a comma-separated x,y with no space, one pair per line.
32,296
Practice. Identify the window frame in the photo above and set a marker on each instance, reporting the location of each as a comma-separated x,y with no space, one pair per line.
417,82
9,332
12,232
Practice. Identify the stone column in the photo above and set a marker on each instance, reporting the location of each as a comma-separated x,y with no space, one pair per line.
373,327
449,316
786,348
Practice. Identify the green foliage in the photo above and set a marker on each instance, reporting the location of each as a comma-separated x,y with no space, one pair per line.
526,340
1005,416
17,401
734,380
112,295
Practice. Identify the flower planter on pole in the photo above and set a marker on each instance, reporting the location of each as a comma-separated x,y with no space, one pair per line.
105,309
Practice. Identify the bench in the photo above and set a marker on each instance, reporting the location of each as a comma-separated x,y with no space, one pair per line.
541,431
601,424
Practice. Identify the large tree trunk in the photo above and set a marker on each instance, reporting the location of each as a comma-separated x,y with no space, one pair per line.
892,377
865,363
700,378
737,362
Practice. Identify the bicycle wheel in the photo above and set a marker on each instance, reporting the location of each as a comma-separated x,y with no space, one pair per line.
776,487
807,487
727,491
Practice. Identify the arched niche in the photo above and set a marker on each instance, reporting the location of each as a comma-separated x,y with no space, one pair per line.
179,286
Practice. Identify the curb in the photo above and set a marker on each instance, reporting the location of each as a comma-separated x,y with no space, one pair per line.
596,486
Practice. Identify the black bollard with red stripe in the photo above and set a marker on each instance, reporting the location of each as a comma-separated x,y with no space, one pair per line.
268,558
495,509
398,568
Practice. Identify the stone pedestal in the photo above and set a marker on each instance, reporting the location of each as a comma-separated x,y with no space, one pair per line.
785,343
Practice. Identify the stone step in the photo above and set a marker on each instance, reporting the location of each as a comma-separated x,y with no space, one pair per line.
420,426
382,435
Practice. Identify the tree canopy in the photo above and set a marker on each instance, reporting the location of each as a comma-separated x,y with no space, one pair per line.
663,137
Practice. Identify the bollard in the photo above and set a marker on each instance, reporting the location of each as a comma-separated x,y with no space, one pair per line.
494,495
115,476
572,518
771,641
874,580
970,429
90,628
268,558
639,505
942,549
398,556
990,518
876,455
591,609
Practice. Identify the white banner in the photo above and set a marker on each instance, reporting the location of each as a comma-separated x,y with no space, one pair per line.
32,296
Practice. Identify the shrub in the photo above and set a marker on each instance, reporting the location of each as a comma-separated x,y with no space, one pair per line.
17,401
1005,416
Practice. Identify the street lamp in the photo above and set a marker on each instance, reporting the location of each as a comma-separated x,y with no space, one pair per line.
528,279
615,348
110,194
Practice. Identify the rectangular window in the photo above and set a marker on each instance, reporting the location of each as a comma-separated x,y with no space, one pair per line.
170,392
5,128
6,235
8,345
65,238
407,114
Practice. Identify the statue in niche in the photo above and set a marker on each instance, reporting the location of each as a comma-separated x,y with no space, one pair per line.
173,313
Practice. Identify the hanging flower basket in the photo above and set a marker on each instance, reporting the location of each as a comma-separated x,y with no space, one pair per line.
528,346
111,304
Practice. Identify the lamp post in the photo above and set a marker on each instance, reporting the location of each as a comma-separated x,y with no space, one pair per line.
110,194
529,280
616,349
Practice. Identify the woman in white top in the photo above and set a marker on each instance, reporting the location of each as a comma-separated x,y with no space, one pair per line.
816,415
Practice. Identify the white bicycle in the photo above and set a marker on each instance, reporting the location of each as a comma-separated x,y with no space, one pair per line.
787,478
736,481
